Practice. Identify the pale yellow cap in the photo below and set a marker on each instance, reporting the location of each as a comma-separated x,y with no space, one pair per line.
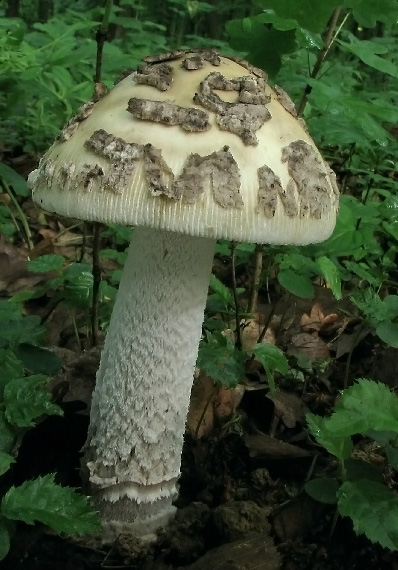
193,143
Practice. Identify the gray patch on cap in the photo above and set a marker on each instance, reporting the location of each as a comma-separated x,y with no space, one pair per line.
123,157
44,174
194,62
210,55
255,70
166,56
285,100
244,121
289,200
159,76
223,171
72,125
89,175
269,187
191,119
307,169
158,173
243,118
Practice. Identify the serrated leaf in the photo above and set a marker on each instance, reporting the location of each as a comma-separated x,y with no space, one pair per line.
373,508
365,406
28,398
7,434
331,273
4,539
28,329
340,447
45,263
221,360
323,490
271,357
10,367
297,284
60,508
5,461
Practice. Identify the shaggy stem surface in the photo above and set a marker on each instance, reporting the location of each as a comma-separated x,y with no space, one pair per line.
140,403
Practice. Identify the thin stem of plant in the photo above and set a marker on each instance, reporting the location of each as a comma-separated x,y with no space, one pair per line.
21,215
96,285
238,342
255,284
202,415
101,37
330,37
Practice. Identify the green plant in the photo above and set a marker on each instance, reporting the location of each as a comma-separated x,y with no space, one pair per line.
370,409
24,398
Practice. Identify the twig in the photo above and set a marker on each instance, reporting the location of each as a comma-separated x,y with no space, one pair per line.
238,342
96,284
101,37
202,415
329,39
22,217
258,266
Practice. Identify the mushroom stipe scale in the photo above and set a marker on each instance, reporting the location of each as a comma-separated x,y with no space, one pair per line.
189,148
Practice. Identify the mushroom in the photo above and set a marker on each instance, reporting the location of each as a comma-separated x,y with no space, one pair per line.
189,148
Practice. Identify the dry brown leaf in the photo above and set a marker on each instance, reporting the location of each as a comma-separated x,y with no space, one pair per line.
288,407
309,345
263,445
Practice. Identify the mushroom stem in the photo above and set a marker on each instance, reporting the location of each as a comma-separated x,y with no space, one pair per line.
140,403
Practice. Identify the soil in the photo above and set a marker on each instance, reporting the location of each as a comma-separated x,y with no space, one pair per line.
241,504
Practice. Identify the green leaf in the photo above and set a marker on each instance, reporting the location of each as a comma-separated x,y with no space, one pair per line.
4,538
5,461
28,398
28,329
391,302
358,469
38,360
10,367
45,263
339,446
365,406
297,284
368,12
78,285
367,52
271,357
323,490
388,332
263,44
14,179
310,14
373,508
331,273
222,291
7,434
60,508
220,360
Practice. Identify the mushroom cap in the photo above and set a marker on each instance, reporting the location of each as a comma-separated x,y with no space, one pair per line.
193,143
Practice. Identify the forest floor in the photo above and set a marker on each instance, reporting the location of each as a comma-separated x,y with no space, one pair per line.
242,505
